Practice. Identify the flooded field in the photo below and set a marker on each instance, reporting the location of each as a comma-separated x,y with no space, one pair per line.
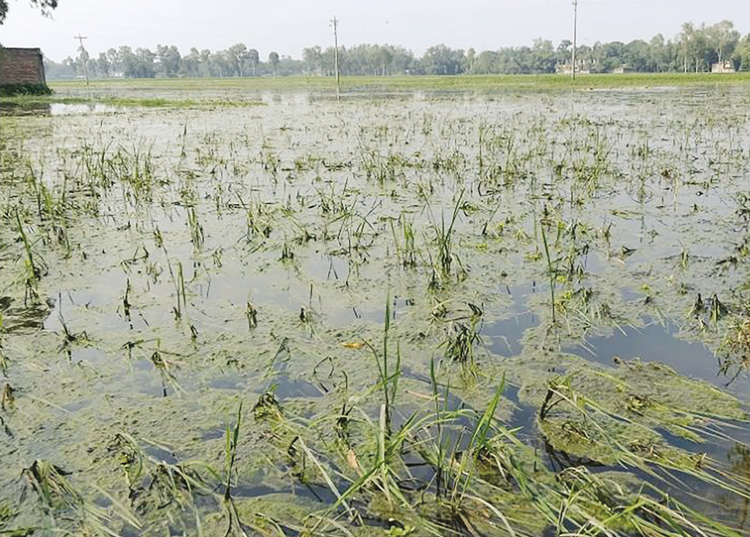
415,313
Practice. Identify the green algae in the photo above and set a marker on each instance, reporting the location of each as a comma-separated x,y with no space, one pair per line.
203,263
598,414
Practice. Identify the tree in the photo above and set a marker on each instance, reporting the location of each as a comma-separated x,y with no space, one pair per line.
741,56
442,60
254,59
723,38
138,64
273,59
238,55
44,5
543,58
204,62
114,61
384,57
695,48
220,64
660,53
485,63
638,56
128,62
313,58
169,60
103,65
190,63
146,58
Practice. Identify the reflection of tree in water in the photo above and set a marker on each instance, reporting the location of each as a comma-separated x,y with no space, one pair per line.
739,461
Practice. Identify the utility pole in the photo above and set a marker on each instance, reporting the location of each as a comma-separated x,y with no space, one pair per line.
575,35
335,23
84,56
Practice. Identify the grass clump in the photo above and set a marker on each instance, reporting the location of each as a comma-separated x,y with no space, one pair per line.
16,90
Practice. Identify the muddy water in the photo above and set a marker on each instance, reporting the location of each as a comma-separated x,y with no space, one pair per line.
159,266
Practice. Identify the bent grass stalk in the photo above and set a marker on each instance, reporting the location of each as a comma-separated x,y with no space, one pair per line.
551,271
231,443
33,271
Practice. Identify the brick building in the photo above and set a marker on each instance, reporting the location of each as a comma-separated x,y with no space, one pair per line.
21,66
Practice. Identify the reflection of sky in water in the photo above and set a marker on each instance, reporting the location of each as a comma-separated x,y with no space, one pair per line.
506,335
62,109
57,109
652,225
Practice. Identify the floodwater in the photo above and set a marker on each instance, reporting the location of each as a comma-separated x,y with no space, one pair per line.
168,272
57,109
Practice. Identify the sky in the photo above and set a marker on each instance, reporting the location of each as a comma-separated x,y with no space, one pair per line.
287,26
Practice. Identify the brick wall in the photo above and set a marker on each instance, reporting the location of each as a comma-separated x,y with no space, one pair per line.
21,66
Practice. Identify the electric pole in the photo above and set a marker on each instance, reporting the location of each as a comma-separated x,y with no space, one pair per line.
575,35
335,23
84,56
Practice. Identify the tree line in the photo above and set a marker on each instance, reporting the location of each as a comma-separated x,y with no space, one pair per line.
694,49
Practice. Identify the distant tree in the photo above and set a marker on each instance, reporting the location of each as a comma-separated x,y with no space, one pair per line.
660,53
254,59
44,5
741,55
273,59
327,60
471,56
146,67
695,49
638,56
138,64
190,64
204,65
169,60
723,38
114,61
238,55
485,63
128,62
220,64
57,71
313,59
403,60
442,60
543,58
384,58
103,65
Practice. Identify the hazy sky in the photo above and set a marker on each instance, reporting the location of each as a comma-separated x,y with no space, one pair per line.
286,26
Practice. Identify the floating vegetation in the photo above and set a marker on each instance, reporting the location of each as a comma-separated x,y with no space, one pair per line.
734,354
288,319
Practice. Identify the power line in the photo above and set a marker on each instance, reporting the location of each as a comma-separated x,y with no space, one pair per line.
575,35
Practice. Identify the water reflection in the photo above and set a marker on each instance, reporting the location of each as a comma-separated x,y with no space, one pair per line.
506,335
61,109
55,109
654,342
